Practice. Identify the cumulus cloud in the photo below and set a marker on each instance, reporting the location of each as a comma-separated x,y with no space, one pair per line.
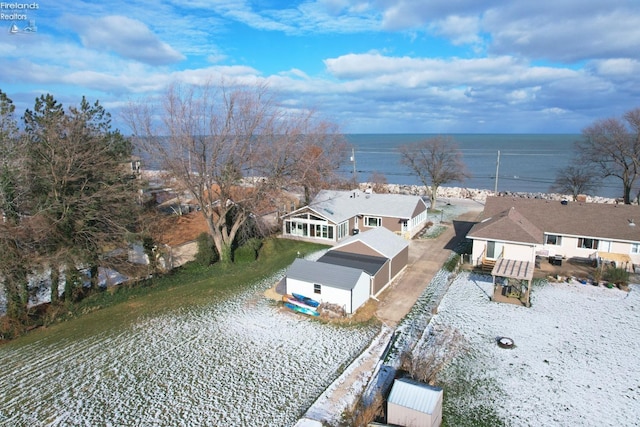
127,37
557,34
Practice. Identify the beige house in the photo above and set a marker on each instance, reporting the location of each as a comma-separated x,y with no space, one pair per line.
332,216
519,229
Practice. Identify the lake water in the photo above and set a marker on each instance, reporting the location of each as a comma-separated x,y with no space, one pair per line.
528,162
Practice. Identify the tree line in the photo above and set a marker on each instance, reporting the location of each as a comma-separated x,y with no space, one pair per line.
68,199
65,198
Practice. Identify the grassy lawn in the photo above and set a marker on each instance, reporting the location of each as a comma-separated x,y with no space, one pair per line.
189,286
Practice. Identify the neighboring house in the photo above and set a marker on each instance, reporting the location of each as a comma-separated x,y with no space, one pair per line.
332,216
413,404
348,274
520,229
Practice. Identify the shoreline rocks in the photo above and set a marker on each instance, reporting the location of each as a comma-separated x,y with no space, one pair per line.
475,194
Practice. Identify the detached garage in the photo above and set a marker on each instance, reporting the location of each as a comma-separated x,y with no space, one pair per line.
348,287
380,252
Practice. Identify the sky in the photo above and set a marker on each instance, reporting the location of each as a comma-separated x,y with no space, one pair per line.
379,66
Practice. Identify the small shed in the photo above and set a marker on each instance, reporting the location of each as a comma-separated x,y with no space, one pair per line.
345,286
414,404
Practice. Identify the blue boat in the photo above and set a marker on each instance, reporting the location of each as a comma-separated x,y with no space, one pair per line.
306,300
300,309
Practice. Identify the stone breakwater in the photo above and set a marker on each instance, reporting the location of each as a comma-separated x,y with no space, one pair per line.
474,194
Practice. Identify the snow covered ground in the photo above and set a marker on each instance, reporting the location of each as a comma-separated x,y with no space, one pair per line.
237,362
575,360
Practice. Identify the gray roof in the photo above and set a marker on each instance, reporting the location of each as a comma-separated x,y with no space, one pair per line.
595,220
380,239
367,263
336,276
410,394
339,206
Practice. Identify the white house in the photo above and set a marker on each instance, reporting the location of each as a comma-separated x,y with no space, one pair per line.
334,215
520,229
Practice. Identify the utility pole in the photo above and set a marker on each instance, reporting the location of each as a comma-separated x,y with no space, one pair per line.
353,160
495,190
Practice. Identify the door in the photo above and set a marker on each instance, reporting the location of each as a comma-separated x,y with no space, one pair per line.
494,249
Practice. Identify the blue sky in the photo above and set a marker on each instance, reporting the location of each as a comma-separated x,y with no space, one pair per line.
380,66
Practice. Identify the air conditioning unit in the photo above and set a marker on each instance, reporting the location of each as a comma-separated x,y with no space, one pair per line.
355,231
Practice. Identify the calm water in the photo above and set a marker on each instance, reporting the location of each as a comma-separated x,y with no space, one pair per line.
528,163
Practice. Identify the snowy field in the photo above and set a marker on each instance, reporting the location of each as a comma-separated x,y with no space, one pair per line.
575,360
234,363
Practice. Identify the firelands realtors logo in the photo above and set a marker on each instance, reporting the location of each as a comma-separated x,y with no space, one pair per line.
19,16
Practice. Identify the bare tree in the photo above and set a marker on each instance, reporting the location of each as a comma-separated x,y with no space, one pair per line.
574,180
305,152
211,138
612,147
435,161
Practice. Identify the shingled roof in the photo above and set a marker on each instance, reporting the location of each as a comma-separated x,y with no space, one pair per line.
510,225
338,206
523,216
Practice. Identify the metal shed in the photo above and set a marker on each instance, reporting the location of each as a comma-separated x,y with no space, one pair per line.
414,404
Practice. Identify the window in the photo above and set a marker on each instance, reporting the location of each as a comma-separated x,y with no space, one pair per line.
553,239
586,243
372,221
317,288
635,248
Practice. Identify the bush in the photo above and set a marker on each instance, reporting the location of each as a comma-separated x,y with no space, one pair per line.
247,252
619,276
207,254
452,263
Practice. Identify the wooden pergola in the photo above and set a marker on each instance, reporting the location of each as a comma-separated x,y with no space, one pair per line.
522,271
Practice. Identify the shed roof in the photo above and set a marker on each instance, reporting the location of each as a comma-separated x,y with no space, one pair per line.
367,263
336,276
417,396
339,206
521,270
596,220
380,239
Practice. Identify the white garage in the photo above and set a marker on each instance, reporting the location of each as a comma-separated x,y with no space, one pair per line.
345,286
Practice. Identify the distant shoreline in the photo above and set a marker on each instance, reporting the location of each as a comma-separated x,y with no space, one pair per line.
444,192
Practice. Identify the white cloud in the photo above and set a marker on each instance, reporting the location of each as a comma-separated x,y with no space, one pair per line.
459,29
129,38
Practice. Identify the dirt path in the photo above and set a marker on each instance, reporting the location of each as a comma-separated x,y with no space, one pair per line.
426,257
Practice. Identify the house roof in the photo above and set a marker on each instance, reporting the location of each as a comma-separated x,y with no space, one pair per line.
510,225
380,239
595,220
413,395
367,263
339,206
336,276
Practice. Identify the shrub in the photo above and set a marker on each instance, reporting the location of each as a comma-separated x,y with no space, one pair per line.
619,276
247,252
206,251
452,263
